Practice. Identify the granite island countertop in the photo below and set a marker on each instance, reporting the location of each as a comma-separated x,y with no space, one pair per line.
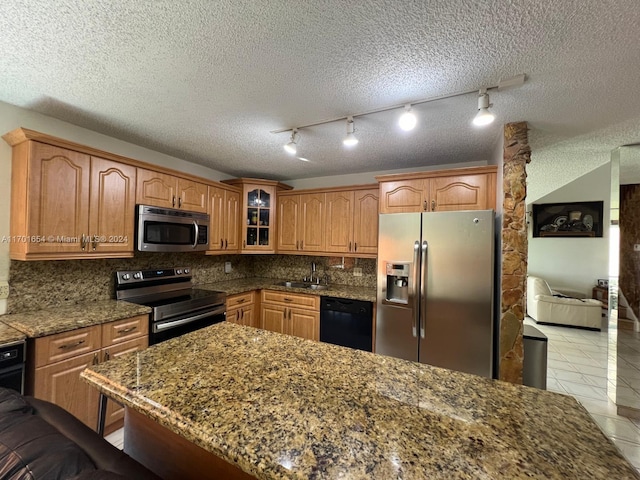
52,320
232,287
280,407
10,335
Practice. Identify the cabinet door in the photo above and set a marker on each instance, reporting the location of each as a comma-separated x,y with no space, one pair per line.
217,198
155,188
289,213
60,383
115,412
463,192
311,229
233,315
303,323
192,195
272,318
112,207
258,218
249,316
404,196
365,221
58,199
339,221
232,222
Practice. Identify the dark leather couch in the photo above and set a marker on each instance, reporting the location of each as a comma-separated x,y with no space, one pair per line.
41,441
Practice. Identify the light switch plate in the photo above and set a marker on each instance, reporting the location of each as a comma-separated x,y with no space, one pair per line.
227,267
4,290
357,272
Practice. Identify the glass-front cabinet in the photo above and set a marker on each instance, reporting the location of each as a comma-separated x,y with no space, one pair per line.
258,213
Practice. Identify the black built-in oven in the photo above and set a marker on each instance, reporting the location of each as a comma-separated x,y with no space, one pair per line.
12,366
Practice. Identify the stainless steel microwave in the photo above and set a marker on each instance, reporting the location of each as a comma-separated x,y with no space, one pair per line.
169,230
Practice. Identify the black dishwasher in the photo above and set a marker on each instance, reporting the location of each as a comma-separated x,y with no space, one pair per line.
346,322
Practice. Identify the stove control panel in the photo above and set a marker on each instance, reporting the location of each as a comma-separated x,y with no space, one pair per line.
144,276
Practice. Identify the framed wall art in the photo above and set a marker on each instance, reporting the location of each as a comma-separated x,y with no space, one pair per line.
570,220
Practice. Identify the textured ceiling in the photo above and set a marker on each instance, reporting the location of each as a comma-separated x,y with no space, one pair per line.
207,81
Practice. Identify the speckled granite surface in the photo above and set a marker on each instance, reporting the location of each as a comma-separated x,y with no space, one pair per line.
233,287
61,319
282,407
10,335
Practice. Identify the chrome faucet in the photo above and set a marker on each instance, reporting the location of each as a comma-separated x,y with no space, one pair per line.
313,271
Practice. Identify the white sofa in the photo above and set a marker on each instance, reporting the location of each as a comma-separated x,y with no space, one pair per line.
544,307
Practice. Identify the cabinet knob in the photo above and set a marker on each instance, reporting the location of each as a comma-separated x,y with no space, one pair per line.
433,205
226,244
180,202
221,243
355,246
301,244
173,201
106,355
95,359
349,246
297,245
424,206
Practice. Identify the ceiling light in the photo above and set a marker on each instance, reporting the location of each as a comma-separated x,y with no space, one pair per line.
350,140
303,159
408,119
290,147
484,116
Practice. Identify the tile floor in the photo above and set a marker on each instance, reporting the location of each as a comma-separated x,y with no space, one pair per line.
577,363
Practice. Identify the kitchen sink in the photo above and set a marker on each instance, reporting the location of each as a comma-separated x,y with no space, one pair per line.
310,286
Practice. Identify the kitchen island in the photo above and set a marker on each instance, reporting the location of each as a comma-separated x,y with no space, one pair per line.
273,406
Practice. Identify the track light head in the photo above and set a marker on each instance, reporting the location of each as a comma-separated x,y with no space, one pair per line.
484,115
350,140
291,147
408,119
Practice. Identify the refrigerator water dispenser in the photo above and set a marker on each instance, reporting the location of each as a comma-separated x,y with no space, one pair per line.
398,282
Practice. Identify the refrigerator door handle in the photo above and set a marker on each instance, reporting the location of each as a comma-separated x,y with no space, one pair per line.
413,293
423,288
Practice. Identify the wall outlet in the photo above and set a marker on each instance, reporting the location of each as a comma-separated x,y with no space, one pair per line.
227,267
357,272
4,290
636,247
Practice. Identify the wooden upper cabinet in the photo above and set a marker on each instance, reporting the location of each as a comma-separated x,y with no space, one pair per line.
339,221
57,201
463,192
155,188
192,195
224,224
352,221
67,204
289,215
112,207
258,213
471,188
164,190
404,196
302,223
365,221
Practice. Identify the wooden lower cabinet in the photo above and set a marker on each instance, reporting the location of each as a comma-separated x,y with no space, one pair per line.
242,309
60,383
291,314
56,361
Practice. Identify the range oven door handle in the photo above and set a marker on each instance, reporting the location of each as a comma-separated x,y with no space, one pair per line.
158,327
195,242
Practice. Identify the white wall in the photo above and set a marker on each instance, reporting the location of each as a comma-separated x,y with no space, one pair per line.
13,117
574,263
369,177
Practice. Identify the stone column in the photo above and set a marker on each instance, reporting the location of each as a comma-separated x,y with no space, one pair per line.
514,251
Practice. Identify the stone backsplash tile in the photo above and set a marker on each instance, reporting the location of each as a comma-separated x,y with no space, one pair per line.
37,285
45,284
296,267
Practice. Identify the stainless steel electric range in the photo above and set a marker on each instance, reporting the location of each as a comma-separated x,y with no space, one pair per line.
177,307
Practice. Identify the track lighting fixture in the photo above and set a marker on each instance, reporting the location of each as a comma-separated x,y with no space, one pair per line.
484,116
291,147
350,140
408,119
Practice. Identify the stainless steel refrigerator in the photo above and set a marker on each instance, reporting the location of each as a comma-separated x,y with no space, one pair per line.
435,289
